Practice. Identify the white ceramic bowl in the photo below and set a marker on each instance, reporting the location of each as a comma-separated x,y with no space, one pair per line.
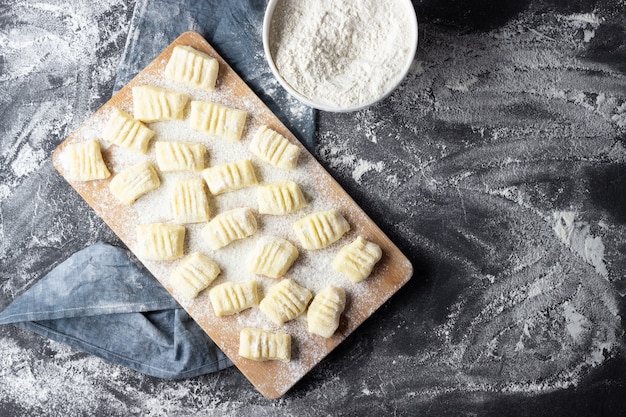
412,41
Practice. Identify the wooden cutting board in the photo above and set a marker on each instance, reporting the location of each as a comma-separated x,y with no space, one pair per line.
312,269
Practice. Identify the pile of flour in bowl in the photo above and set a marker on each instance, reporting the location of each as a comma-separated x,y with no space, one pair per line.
341,53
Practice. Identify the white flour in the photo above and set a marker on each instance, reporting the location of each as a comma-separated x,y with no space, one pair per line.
341,53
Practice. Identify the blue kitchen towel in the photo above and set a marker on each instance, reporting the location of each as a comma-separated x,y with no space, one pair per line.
99,300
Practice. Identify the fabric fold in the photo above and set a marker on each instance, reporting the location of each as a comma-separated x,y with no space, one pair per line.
101,302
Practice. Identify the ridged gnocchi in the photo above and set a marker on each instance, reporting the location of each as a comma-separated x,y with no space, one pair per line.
233,297
320,229
161,241
217,120
84,161
153,104
230,176
133,182
123,130
285,301
229,226
194,274
280,197
325,311
179,156
263,345
357,259
273,148
192,67
272,257
189,202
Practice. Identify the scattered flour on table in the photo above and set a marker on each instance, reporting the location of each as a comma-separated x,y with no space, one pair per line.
52,48
576,235
340,157
548,320
587,22
341,53
27,160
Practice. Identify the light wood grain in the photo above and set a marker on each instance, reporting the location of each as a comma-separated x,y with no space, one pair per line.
272,379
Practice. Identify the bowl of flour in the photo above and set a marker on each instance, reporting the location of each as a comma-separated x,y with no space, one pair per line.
340,55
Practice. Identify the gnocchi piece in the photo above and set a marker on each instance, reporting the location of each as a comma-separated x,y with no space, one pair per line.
285,301
189,202
217,120
84,161
357,259
325,311
272,257
192,67
273,148
123,130
161,241
263,345
131,183
281,197
233,297
180,156
230,176
153,104
320,229
193,274
229,226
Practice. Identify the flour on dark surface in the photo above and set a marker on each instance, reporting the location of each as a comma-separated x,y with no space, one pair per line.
480,165
498,167
58,67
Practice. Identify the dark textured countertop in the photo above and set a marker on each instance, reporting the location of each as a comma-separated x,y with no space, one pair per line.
498,167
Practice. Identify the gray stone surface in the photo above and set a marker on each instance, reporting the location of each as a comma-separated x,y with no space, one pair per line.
498,167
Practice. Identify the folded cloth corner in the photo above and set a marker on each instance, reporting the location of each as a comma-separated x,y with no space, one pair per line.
101,302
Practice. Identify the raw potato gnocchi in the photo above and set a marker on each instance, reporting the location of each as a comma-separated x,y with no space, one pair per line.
320,229
133,182
325,311
123,130
285,301
229,226
161,241
189,202
217,120
193,274
233,297
263,345
192,67
84,161
154,104
281,197
357,259
272,257
273,148
180,156
230,176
